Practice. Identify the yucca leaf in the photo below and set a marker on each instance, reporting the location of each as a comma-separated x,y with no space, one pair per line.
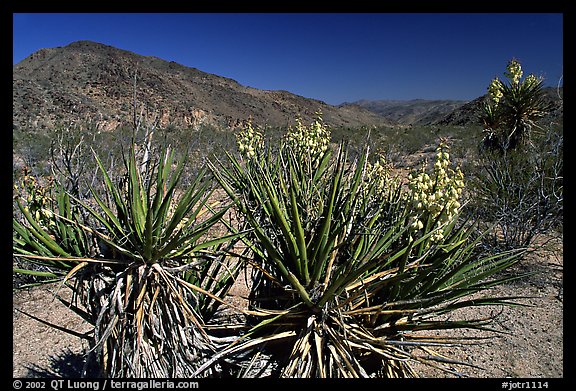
137,206
110,219
162,174
111,189
280,217
185,243
471,273
321,247
26,239
215,242
185,205
299,231
35,273
165,197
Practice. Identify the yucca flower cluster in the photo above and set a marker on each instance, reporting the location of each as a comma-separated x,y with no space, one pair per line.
495,90
514,71
379,172
37,196
380,175
249,140
310,140
532,80
435,198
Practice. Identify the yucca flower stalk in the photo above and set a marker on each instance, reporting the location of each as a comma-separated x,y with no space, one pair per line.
435,197
346,289
159,273
311,141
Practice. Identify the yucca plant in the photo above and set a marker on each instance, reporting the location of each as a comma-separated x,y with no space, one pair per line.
345,282
518,184
513,108
160,270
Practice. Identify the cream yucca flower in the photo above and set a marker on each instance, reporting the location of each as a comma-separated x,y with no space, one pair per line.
380,175
38,197
379,171
182,223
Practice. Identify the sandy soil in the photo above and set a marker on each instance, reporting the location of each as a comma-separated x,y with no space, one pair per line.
530,344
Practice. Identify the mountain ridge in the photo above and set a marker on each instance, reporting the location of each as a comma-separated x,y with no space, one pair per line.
90,82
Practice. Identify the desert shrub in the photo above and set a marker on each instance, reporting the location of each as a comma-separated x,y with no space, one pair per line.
356,138
71,159
31,149
521,191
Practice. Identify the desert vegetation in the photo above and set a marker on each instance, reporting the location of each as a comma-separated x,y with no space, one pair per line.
354,255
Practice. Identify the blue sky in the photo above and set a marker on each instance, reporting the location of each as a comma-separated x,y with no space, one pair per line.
334,57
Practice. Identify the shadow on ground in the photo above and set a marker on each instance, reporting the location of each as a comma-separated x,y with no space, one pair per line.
66,364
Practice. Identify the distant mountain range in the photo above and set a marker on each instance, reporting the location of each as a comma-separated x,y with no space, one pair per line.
443,112
88,82
410,112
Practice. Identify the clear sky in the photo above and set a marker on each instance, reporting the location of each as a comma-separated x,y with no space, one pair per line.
334,57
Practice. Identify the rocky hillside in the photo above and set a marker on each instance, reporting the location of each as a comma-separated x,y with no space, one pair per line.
467,114
410,112
91,82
